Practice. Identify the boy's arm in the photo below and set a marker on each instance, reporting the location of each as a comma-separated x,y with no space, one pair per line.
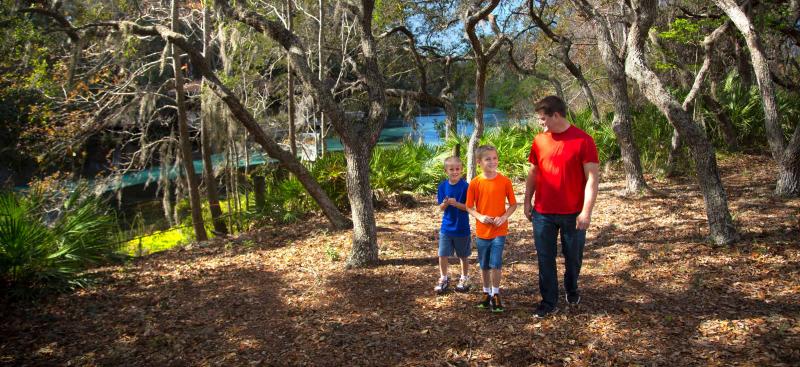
458,205
511,207
480,217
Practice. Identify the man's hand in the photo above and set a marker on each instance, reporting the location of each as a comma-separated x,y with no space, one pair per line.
499,220
485,219
583,221
527,208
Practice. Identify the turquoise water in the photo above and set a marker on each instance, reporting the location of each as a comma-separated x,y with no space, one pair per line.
394,132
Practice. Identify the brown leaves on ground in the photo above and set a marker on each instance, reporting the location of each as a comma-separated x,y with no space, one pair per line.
654,293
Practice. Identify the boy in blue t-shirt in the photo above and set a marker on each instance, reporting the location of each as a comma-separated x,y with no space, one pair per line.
454,234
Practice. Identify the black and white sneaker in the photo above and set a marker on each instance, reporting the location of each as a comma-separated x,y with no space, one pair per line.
573,298
544,311
441,288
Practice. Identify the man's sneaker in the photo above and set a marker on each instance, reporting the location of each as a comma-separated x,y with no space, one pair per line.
463,285
544,310
573,298
497,305
485,302
444,284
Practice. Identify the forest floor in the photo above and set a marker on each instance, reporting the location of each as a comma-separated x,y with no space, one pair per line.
654,293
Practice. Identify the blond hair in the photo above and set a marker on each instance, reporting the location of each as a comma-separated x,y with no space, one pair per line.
452,159
483,149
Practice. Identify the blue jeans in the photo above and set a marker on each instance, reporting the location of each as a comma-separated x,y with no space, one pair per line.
545,231
490,252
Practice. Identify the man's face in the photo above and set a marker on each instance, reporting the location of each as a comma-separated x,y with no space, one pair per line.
453,170
546,121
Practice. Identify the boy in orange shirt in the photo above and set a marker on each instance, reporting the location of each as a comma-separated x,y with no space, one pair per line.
486,201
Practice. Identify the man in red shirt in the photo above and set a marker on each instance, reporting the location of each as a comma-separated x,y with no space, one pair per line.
564,178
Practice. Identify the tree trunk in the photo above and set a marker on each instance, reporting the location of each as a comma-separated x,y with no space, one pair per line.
320,73
206,150
622,123
474,139
290,87
785,156
183,130
722,229
674,153
359,193
451,118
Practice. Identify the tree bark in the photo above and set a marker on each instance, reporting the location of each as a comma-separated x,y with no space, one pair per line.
622,123
359,192
785,155
482,58
206,149
722,229
290,86
183,130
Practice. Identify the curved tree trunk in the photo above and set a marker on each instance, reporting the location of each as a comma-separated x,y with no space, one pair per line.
785,155
186,145
721,227
622,123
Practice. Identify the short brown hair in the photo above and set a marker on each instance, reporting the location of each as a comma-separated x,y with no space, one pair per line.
551,104
483,149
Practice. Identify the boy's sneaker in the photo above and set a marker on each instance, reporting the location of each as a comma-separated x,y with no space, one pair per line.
573,298
444,284
544,310
463,285
485,301
497,305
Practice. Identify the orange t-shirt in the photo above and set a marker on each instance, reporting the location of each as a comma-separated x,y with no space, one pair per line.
488,196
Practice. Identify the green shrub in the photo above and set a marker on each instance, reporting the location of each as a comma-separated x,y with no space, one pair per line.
50,247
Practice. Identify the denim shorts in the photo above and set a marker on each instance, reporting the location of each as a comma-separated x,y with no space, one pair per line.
449,244
490,252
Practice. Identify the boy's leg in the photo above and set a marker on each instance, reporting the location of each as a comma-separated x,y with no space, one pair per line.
572,244
464,266
445,251
444,261
545,231
483,247
496,259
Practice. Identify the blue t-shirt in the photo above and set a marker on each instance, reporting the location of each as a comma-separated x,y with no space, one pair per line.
455,222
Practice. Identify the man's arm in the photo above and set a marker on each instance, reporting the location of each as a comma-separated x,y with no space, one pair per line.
530,188
591,170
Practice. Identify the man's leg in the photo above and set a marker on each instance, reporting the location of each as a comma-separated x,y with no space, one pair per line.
545,232
572,244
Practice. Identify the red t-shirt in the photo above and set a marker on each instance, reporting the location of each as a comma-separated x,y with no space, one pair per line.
560,180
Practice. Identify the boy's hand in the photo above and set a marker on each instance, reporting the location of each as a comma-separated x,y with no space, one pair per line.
500,220
485,219
450,201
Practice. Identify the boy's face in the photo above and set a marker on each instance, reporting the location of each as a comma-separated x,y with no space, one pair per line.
453,170
488,161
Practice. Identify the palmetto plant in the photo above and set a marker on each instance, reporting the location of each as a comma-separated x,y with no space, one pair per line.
50,248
